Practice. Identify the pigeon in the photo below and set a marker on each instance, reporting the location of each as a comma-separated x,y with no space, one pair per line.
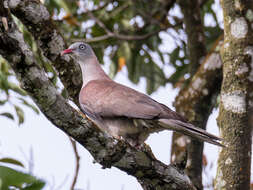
123,112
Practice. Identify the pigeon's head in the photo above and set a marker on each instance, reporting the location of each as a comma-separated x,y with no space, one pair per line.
80,50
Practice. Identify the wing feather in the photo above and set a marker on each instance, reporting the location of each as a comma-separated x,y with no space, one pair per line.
107,98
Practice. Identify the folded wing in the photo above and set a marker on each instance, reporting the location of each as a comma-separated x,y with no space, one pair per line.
105,98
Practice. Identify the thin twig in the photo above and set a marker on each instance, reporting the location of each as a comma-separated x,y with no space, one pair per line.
110,34
136,37
119,36
95,39
99,22
77,157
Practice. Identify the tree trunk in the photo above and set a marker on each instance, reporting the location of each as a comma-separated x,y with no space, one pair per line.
234,162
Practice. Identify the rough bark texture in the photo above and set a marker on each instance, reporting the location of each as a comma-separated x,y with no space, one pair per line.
190,104
237,55
140,163
37,19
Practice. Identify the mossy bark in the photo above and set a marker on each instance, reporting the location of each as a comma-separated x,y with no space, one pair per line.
234,162
40,24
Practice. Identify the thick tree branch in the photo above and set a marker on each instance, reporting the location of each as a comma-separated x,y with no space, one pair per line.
37,19
151,173
110,34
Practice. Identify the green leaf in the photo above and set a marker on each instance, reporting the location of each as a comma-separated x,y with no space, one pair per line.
20,114
153,73
134,73
113,70
212,35
2,102
100,54
174,55
11,161
161,56
17,89
34,108
155,77
64,93
125,51
10,177
4,84
135,65
4,67
63,5
8,115
175,77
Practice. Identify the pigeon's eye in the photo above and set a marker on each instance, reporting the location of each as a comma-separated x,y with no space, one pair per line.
82,47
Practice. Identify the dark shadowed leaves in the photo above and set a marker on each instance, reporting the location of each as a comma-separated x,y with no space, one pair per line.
8,160
8,115
13,178
33,107
20,114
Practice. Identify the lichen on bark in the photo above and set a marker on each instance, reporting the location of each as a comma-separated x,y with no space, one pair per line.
36,18
234,162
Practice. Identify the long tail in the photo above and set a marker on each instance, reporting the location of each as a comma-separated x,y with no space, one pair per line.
190,130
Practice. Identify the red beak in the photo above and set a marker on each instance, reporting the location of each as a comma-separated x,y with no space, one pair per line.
66,51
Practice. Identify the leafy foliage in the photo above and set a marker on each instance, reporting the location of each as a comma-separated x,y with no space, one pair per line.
11,178
11,161
121,26
10,92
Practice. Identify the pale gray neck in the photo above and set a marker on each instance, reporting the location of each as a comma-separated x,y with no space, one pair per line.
91,70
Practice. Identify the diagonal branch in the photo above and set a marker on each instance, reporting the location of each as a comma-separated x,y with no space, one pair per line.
99,22
37,19
120,37
110,34
140,163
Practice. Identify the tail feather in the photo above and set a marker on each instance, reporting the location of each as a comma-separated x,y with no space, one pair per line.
190,130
